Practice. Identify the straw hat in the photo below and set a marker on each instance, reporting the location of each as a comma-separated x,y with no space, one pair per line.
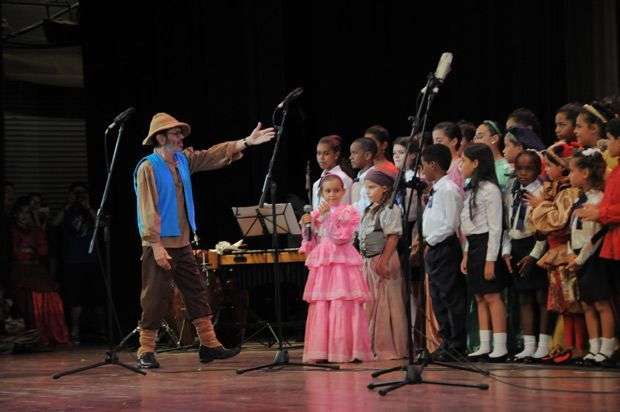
161,122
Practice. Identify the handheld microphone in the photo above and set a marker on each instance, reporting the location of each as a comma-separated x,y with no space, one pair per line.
308,226
121,118
291,96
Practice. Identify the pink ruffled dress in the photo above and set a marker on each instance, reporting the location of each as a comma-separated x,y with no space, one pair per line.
336,289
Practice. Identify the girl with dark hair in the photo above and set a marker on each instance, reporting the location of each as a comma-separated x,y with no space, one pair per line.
565,121
550,216
468,131
328,152
337,325
595,289
608,214
449,135
481,223
399,150
381,137
590,124
363,152
490,134
525,118
378,237
519,139
521,250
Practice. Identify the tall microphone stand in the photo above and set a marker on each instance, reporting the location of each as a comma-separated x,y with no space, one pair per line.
282,357
413,372
111,356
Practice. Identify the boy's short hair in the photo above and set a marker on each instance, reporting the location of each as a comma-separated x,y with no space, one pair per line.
439,154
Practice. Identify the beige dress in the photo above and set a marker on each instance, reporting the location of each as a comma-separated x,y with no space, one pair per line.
386,310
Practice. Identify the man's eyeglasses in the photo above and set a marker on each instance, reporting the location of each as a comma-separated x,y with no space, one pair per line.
174,133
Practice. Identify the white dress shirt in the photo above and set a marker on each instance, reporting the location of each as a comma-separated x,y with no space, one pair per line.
528,230
582,231
346,199
487,217
441,215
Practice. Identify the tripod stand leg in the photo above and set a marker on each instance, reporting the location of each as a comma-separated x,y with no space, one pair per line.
281,359
385,391
77,370
384,371
462,368
481,386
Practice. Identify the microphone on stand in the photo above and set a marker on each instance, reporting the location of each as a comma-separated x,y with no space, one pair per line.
291,96
441,72
121,118
308,226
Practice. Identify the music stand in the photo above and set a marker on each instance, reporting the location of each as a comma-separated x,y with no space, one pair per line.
257,221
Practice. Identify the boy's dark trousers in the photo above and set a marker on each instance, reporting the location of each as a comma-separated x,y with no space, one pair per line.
448,292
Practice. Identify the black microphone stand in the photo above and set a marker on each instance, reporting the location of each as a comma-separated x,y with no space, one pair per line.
111,356
413,372
282,357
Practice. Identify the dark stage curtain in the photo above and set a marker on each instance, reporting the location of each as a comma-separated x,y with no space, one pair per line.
222,66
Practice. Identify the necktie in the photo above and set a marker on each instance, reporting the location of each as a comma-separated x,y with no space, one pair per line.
518,207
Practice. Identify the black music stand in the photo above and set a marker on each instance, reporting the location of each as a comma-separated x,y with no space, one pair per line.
257,221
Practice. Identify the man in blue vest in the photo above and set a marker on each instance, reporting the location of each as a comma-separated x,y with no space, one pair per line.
166,220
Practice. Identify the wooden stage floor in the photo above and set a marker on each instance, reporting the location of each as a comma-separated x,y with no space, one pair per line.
184,384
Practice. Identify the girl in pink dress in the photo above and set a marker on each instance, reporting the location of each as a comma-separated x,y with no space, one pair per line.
337,325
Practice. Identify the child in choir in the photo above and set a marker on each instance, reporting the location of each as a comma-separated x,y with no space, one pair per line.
363,152
490,134
590,124
468,132
449,135
481,223
328,158
521,250
524,118
399,152
518,139
550,216
565,120
590,129
381,137
440,224
595,289
378,237
337,325
608,214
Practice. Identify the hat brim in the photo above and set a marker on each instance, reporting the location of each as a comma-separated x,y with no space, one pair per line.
185,129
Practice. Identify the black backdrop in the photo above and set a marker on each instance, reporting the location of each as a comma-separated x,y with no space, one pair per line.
222,66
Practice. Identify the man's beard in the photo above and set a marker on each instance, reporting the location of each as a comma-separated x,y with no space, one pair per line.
173,148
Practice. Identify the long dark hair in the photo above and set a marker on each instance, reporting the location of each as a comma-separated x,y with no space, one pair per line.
484,172
595,164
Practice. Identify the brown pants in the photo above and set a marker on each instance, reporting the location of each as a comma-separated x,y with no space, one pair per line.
157,286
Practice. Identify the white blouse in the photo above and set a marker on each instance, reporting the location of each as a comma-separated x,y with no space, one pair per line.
580,238
486,217
528,230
